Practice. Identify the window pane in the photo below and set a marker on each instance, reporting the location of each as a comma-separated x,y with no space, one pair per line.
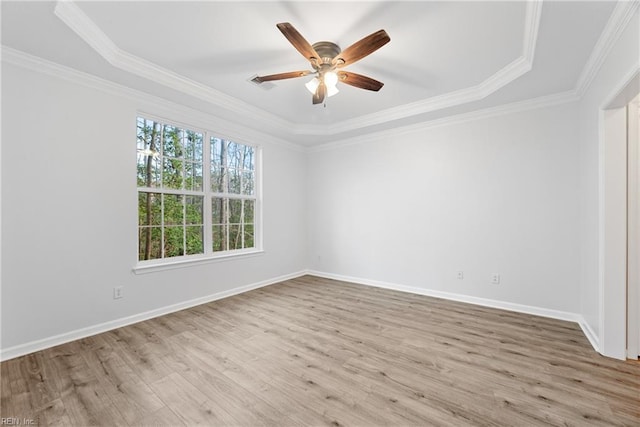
234,181
249,208
248,236
193,176
173,241
172,174
234,157
216,151
249,162
235,210
235,236
173,209
218,179
149,243
148,145
148,170
148,135
149,208
172,142
195,244
219,238
193,209
193,146
218,210
247,183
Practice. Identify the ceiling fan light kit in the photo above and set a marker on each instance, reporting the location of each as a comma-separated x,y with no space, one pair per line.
326,59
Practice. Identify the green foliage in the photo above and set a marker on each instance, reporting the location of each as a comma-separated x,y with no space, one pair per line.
170,160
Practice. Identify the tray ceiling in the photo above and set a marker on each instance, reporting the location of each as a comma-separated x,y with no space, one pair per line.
444,57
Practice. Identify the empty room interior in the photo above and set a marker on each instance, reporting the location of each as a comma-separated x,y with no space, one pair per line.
307,213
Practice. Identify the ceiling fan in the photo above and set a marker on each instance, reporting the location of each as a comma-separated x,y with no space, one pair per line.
327,59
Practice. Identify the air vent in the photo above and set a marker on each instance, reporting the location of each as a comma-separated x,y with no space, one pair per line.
262,85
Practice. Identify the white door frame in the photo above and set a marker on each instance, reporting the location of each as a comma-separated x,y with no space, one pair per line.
613,218
633,229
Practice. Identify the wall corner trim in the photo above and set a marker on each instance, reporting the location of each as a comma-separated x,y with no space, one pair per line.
590,334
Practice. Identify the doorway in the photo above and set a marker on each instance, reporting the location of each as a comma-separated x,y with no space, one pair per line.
619,256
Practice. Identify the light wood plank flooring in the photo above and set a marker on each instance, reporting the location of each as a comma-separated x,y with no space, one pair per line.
312,351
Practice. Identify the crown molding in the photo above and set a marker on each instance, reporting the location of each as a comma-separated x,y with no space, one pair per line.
189,115
145,101
69,13
616,25
87,30
501,110
501,78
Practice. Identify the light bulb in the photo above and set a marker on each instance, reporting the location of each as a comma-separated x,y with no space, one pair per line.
330,79
312,85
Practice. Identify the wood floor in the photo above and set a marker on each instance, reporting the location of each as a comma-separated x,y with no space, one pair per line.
312,351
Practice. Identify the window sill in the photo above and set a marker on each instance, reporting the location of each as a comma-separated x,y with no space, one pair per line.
143,268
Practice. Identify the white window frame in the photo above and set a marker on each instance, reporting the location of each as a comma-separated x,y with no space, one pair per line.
147,266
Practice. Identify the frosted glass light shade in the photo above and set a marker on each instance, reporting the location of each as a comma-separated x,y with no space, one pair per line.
329,82
312,85
332,90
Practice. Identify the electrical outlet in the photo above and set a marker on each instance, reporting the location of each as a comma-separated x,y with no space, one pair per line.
495,279
460,275
118,292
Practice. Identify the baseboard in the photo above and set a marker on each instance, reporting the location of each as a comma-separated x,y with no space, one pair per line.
519,308
30,347
590,334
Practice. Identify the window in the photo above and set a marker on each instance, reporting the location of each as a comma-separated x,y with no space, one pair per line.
196,193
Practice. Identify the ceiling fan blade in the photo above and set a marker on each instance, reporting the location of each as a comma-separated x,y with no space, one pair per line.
299,42
360,81
362,48
281,76
318,97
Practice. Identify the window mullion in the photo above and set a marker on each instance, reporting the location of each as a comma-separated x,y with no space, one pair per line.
184,225
225,226
207,223
162,251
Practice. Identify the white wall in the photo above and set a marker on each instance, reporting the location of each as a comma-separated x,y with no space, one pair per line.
69,210
517,195
616,68
491,195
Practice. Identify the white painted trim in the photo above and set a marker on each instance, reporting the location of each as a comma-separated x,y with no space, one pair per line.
172,264
86,29
515,107
633,229
30,347
590,334
613,232
485,302
625,91
204,120
161,106
617,23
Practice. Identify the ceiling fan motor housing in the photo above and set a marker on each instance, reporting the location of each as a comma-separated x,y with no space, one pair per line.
327,51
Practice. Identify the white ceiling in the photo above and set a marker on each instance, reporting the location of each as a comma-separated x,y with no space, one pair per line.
444,57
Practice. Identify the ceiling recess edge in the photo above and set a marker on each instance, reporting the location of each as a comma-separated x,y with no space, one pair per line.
69,13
